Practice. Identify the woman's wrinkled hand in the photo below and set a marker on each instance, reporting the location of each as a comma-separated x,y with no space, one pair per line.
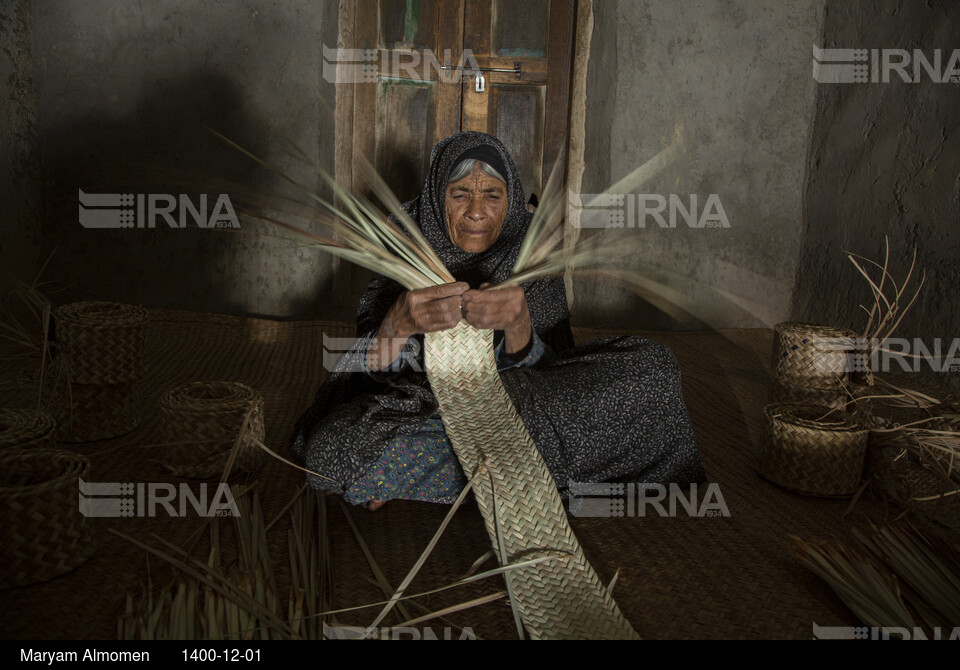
415,312
425,310
500,309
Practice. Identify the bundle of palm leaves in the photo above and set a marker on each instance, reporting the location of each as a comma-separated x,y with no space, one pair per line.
870,590
216,599
360,232
902,561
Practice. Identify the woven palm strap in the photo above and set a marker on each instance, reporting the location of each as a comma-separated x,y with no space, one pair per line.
521,507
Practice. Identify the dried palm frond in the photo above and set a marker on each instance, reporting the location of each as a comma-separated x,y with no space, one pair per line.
433,542
540,255
933,442
211,601
26,324
870,591
381,578
925,562
888,310
898,396
360,233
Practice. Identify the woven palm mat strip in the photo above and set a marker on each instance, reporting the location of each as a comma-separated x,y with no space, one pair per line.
520,503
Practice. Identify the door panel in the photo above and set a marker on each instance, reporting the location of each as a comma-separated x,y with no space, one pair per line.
515,114
405,119
519,28
407,24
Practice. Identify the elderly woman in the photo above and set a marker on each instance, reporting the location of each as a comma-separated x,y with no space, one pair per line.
611,410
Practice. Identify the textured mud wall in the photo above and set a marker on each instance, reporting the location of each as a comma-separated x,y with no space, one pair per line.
19,186
735,76
885,163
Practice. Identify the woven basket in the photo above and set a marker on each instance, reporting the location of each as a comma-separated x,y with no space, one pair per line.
26,428
517,496
812,356
103,341
812,449
896,466
834,398
97,412
201,422
45,535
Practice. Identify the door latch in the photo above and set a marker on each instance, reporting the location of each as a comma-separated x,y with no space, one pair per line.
481,83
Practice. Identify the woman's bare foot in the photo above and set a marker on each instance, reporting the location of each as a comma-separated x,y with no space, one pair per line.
374,505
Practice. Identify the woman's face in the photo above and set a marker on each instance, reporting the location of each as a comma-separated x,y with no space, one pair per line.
476,207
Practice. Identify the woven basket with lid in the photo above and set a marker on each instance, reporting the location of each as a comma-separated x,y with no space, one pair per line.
812,356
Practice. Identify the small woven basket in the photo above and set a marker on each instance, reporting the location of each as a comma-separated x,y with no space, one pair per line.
201,422
812,356
26,428
45,535
813,450
103,341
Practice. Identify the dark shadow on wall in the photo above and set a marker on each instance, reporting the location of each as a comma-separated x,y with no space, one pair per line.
884,164
165,148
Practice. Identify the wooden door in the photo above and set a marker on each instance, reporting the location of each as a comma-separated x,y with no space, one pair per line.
528,110
397,119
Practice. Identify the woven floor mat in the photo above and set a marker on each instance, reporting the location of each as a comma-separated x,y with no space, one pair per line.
681,576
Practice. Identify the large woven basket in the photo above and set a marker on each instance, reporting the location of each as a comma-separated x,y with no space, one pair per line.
97,411
44,533
201,422
103,341
812,449
521,507
26,428
812,356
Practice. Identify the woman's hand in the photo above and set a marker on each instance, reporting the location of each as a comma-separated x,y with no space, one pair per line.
422,310
500,309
